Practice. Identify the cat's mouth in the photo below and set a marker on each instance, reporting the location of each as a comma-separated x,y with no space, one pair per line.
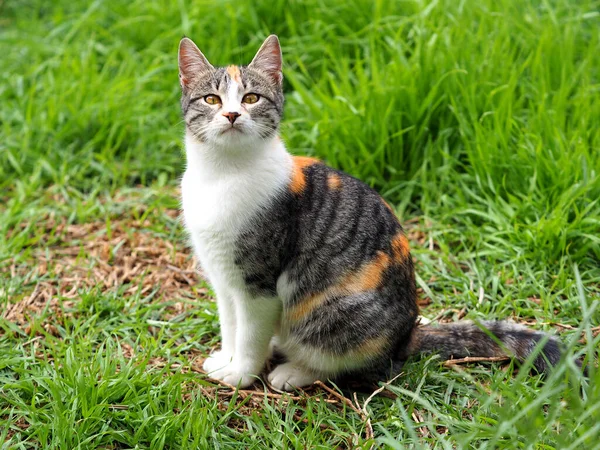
231,129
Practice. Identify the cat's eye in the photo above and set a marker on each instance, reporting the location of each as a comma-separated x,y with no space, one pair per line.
250,98
212,99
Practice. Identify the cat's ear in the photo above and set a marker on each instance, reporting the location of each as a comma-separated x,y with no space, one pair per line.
191,62
268,59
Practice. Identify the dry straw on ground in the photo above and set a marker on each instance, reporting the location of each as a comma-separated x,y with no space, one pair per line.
129,258
89,256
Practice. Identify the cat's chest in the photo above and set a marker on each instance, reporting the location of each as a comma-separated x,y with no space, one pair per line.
212,207
223,192
226,204
218,212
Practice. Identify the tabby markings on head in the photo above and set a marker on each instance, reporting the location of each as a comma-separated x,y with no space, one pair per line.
235,74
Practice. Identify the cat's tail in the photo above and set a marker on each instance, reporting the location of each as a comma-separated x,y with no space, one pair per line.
486,339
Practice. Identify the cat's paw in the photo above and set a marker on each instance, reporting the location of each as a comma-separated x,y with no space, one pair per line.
217,360
289,376
232,374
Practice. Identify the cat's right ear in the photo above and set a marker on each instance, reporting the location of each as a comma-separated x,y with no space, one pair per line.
191,62
268,58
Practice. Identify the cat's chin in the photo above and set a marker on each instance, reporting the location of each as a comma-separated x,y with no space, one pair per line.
234,138
232,131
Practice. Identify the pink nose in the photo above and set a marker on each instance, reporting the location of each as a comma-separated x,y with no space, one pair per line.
231,116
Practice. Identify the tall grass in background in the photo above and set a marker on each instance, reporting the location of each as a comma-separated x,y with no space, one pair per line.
438,104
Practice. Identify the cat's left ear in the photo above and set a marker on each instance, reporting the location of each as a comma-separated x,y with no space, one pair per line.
268,59
191,62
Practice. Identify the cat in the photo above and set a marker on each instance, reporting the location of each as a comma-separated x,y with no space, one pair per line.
303,258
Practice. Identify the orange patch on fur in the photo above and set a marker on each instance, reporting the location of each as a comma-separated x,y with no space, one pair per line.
367,278
370,347
334,181
370,275
307,306
298,181
400,246
387,205
234,73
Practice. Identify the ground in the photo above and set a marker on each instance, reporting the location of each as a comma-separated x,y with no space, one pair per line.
479,122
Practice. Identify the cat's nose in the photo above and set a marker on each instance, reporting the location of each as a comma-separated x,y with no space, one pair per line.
231,116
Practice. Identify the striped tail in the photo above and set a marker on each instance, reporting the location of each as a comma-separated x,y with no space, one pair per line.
467,339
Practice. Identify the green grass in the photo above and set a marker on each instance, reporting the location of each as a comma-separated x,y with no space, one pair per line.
479,119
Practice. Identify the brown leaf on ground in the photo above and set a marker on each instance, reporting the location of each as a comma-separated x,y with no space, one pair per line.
422,301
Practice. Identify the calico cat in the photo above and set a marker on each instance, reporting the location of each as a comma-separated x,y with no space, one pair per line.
302,257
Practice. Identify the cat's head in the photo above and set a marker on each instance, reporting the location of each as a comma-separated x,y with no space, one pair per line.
231,105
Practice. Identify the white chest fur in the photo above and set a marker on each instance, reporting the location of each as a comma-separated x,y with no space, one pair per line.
222,189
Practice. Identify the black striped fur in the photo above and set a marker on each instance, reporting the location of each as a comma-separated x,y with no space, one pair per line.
320,234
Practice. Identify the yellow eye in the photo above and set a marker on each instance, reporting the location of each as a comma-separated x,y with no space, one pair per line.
250,98
212,99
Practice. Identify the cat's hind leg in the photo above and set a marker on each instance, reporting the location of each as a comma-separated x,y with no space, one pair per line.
329,337
290,375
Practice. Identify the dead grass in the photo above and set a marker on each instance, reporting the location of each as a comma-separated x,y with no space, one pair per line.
127,253
127,256
90,256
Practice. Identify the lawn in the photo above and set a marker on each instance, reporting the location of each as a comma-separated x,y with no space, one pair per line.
478,121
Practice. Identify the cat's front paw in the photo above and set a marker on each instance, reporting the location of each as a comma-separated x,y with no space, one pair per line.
289,376
217,360
232,374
